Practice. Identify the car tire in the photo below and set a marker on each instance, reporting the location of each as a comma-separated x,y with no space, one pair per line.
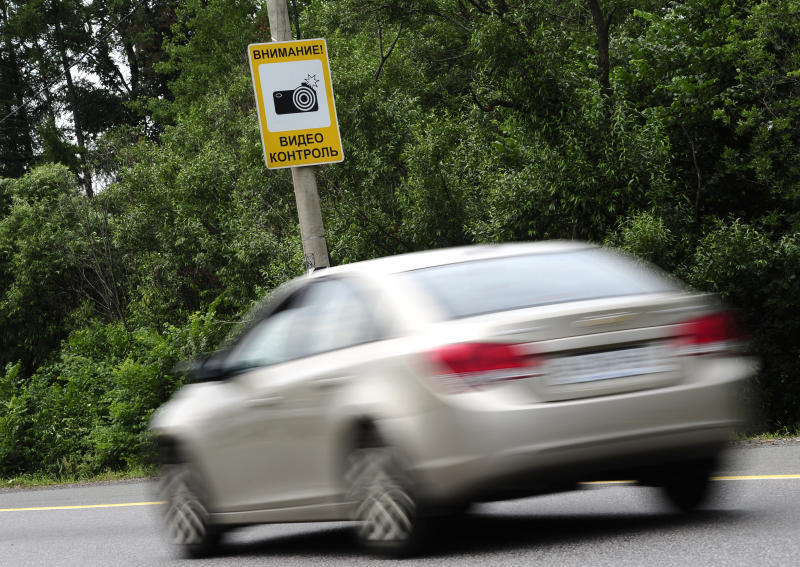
687,486
390,522
185,513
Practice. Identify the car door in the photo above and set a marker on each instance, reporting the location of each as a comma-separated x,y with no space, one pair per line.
277,447
246,433
337,325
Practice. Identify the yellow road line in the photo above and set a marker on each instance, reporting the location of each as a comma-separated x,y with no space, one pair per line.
731,477
80,507
156,503
757,477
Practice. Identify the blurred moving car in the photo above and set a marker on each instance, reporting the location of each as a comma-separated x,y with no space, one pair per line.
392,390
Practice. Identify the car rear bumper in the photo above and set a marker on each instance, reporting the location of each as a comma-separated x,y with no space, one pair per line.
462,453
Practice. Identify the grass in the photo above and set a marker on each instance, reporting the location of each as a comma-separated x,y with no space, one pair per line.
782,433
34,480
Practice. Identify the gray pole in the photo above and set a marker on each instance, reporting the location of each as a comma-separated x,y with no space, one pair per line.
312,233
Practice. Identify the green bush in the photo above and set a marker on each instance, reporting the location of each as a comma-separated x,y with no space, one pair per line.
14,420
88,410
759,274
648,237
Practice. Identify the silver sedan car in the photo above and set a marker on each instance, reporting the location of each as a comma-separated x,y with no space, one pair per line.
400,389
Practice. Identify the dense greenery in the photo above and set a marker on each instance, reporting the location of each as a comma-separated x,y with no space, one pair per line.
138,222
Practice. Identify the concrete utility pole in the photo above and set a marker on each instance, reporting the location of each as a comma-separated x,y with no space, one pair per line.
312,233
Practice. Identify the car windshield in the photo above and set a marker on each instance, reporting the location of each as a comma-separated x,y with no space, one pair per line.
501,284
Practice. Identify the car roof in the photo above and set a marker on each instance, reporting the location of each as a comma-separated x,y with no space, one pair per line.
444,256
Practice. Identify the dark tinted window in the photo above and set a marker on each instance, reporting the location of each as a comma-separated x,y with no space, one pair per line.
501,284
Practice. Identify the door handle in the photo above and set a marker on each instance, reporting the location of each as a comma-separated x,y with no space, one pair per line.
330,382
264,402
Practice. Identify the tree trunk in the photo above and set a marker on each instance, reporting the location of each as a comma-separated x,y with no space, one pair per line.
17,145
133,66
73,102
601,25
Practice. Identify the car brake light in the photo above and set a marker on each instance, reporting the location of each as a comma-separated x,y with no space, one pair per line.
461,366
714,333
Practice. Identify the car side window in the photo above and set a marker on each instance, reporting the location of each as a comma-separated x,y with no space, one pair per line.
325,315
336,315
270,341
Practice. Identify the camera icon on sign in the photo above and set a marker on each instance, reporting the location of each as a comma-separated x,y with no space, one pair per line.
293,101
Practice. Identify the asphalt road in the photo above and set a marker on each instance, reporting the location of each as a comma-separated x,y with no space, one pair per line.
753,521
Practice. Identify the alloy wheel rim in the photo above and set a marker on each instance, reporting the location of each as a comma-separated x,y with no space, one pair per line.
384,507
186,515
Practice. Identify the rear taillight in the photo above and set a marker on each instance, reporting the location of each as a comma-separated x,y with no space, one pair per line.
462,366
714,333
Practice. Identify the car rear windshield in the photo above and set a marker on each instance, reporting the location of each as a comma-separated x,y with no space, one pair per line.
501,284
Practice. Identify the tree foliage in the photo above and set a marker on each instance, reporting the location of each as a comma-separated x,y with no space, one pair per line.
668,129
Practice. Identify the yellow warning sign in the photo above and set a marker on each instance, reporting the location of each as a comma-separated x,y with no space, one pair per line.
294,96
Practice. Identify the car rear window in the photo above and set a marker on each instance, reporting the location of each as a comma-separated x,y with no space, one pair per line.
501,284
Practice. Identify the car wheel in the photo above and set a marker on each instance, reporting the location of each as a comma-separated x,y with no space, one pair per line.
388,515
185,513
688,486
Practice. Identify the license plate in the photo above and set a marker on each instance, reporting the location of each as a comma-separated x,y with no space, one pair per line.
608,365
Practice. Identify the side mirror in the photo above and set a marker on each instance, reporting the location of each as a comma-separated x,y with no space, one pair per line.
207,367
